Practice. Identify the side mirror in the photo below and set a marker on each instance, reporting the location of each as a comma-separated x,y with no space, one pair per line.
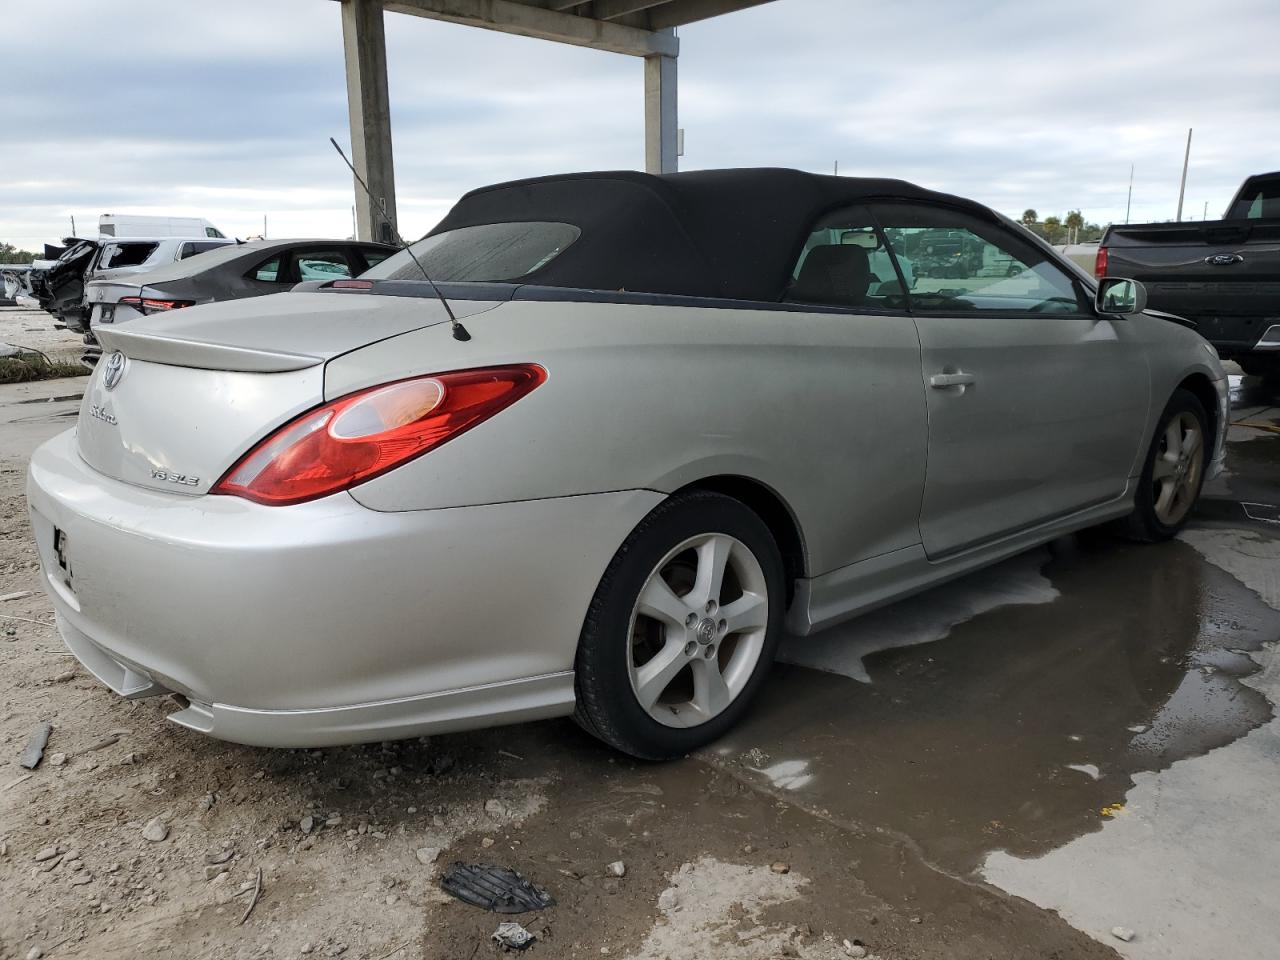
1118,297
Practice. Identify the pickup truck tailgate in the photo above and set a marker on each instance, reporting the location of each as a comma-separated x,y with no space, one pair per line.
1223,274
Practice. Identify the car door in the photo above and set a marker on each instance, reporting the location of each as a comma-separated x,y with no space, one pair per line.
1036,405
863,479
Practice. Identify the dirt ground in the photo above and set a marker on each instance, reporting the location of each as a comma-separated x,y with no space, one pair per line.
338,852
35,330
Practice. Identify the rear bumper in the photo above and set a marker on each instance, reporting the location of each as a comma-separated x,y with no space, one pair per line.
324,622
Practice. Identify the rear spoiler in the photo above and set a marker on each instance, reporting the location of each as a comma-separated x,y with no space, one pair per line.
204,355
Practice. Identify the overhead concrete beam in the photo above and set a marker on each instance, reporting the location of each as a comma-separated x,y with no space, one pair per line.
369,111
660,116
612,9
505,16
677,14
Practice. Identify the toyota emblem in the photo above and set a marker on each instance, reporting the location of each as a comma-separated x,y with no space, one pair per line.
113,370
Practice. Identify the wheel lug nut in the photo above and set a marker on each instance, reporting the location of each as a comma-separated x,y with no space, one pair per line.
723,624
690,620
709,652
689,648
711,606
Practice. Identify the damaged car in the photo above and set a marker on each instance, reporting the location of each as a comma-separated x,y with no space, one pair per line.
589,448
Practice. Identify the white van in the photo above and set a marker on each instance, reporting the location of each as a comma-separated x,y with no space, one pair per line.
138,225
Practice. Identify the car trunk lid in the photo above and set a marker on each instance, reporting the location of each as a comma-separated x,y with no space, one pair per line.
192,389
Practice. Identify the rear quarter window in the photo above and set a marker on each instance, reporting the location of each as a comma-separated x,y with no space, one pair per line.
118,254
487,252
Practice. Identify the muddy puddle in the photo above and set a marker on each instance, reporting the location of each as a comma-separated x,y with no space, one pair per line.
1018,728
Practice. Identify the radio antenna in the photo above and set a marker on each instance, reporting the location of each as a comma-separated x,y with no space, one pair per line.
459,331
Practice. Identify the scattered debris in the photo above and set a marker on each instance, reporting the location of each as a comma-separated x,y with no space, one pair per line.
1112,809
34,749
65,676
512,936
427,855
1090,770
1122,933
669,900
495,808
46,853
107,741
617,869
780,867
253,901
35,953
156,830
57,759
854,949
307,824
19,595
220,856
494,888
18,781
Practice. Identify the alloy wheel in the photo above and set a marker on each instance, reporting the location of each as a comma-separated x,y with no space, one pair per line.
1178,467
697,630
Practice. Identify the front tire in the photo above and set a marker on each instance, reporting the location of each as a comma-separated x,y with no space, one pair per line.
1173,472
682,628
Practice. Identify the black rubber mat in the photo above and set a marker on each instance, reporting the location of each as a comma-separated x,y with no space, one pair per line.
494,888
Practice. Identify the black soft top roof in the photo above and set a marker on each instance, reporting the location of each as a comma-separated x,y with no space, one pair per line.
732,234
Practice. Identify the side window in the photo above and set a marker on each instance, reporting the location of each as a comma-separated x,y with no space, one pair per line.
373,256
844,263
962,263
192,247
321,265
268,272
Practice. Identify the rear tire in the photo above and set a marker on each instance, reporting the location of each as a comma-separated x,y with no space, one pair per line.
682,629
1172,473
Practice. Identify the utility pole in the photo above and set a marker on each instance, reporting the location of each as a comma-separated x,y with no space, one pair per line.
1128,203
1205,215
836,171
1186,160
264,226
73,224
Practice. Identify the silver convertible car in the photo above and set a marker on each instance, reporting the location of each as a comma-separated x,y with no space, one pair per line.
639,429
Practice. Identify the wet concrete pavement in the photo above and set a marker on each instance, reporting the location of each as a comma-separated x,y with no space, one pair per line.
1007,766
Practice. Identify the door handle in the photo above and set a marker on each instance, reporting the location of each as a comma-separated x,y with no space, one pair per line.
940,380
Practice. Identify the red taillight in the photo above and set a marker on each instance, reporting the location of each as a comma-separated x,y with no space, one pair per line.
145,305
365,434
1100,263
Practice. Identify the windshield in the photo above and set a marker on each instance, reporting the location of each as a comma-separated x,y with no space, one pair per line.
488,252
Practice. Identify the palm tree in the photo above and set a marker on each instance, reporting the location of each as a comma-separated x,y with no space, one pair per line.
1075,220
1052,226
1029,217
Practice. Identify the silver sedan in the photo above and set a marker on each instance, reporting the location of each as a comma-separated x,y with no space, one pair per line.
636,429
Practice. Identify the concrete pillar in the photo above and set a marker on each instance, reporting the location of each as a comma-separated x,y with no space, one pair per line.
660,121
369,105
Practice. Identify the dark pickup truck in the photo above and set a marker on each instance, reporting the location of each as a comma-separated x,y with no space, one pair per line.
1223,275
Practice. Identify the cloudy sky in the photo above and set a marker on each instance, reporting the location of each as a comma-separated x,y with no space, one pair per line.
223,109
